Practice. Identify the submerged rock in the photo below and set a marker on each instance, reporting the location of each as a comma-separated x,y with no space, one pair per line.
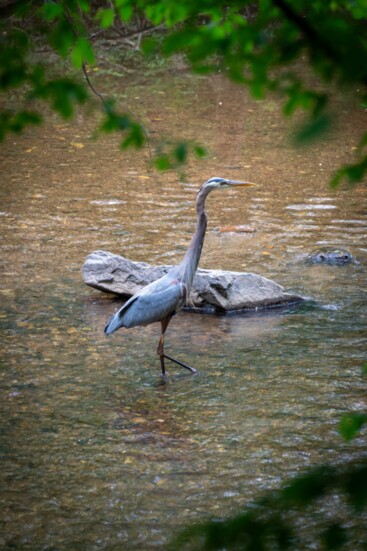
328,255
212,291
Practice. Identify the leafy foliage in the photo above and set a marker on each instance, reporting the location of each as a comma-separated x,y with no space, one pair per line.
15,122
172,155
256,43
273,522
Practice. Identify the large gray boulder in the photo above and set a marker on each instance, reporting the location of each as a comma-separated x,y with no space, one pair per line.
212,291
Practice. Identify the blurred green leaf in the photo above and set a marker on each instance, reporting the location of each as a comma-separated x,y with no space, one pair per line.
121,122
334,537
13,73
180,152
313,129
106,17
274,522
126,12
355,485
13,59
200,151
299,98
305,489
351,424
84,5
162,162
63,94
61,37
115,121
353,173
135,137
82,52
16,122
155,11
52,10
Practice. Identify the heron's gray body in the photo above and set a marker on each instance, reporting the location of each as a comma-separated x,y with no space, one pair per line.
153,303
160,300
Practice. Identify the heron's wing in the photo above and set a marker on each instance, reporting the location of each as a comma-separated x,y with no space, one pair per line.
153,303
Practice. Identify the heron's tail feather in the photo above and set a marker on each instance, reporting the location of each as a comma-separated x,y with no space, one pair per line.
119,319
113,324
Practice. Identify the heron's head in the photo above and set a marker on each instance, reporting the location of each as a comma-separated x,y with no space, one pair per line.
223,183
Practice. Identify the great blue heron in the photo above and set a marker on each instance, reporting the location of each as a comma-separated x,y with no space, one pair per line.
162,298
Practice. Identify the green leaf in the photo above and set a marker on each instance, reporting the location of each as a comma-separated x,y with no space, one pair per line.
180,152
84,5
82,52
106,17
156,12
353,173
52,10
313,130
62,37
356,487
135,138
162,162
13,59
299,98
13,72
351,424
114,121
10,122
63,94
334,537
200,151
117,122
126,12
184,39
307,488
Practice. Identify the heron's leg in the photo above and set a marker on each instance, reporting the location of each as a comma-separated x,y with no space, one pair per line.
160,350
192,369
161,353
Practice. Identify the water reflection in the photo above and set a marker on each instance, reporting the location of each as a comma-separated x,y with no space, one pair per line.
95,451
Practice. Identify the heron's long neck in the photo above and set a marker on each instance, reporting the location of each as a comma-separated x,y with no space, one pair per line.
191,259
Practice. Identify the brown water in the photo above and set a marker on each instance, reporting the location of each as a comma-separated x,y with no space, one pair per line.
96,452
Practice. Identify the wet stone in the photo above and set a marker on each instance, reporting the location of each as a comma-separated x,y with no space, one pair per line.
331,256
212,291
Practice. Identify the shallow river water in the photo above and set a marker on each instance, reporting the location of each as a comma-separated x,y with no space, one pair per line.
96,452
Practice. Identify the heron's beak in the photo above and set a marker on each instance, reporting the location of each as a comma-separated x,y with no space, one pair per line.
239,183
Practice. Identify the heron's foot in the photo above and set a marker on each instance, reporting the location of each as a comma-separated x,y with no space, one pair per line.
161,357
164,379
186,366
